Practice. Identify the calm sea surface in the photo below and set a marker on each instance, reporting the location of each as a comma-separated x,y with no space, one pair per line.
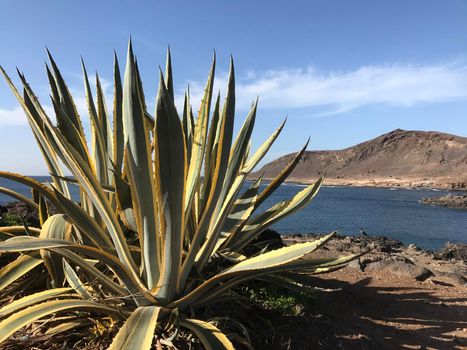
393,213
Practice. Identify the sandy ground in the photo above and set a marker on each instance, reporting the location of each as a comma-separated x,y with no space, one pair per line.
381,310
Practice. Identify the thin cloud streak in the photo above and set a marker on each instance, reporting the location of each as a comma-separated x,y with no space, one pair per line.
391,85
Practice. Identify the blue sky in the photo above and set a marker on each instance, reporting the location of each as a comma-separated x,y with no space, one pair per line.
343,71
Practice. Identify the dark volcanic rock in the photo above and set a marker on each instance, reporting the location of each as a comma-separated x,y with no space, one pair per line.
447,266
384,244
269,235
457,251
268,239
449,200
20,209
377,243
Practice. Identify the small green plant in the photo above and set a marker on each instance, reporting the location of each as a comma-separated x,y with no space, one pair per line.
271,297
175,182
10,219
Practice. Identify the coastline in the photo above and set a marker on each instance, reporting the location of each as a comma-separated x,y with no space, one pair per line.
386,182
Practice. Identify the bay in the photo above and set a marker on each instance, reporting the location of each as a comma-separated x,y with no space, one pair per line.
395,213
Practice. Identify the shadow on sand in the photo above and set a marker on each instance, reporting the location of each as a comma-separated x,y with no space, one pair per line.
362,316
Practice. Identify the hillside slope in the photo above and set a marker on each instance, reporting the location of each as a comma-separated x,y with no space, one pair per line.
398,158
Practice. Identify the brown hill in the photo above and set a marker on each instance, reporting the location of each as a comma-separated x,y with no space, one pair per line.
398,158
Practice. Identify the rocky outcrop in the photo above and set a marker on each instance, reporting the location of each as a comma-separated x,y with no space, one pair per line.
449,200
398,158
453,251
401,268
268,239
448,266
13,212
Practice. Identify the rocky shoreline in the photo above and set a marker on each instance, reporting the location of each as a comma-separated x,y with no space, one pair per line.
449,200
446,265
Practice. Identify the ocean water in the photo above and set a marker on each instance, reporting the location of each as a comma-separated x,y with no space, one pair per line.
394,213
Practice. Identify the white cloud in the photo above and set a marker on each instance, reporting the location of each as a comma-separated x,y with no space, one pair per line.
13,116
17,116
393,85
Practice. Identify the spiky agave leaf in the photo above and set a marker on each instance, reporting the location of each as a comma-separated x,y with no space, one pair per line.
138,331
211,337
35,298
18,268
21,318
161,204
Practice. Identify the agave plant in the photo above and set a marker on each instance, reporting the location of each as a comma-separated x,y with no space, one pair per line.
162,221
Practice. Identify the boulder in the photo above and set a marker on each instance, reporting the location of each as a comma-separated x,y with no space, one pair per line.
456,251
401,268
355,264
268,239
453,276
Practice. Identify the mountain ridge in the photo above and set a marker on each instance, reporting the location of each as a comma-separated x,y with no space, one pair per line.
399,158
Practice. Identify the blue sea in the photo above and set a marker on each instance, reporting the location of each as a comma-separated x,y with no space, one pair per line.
395,213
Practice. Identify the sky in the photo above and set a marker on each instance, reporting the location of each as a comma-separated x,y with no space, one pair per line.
342,72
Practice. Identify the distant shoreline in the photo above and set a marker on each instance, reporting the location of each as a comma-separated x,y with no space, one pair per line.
410,184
